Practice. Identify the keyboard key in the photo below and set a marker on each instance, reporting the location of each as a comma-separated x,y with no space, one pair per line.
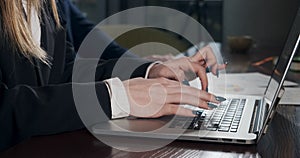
233,130
225,118
235,124
186,125
223,129
211,129
225,125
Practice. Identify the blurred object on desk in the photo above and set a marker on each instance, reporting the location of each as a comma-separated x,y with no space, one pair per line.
240,44
267,64
261,64
291,96
296,64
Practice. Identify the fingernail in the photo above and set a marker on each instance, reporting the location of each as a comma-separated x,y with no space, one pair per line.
185,82
207,69
211,105
220,99
197,112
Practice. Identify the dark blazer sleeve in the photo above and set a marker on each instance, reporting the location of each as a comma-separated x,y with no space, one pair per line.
79,26
27,111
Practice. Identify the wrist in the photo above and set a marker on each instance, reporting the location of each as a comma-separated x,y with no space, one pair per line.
153,70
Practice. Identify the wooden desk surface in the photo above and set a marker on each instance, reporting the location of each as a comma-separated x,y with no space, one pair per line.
282,140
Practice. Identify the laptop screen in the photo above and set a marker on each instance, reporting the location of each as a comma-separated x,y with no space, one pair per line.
283,63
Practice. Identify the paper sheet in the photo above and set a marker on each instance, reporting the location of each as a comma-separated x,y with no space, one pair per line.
247,84
291,96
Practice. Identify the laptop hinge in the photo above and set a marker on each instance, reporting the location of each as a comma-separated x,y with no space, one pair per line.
257,118
270,117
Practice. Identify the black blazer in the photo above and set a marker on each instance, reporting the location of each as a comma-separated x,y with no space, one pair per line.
36,99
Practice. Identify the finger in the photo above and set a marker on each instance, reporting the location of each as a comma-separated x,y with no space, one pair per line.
215,68
201,73
178,110
173,109
177,74
186,90
202,53
198,56
189,74
180,75
186,99
202,62
207,54
166,81
211,59
221,66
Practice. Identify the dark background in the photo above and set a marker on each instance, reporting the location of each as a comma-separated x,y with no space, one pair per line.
267,21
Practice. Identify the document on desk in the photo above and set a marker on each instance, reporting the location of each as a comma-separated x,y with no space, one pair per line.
291,96
247,84
241,83
255,79
238,83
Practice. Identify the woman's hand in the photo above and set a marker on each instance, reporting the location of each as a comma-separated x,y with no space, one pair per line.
207,54
188,68
152,98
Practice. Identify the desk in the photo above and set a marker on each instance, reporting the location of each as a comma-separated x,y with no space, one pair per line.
282,140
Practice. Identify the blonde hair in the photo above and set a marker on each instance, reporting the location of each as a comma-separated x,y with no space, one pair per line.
17,30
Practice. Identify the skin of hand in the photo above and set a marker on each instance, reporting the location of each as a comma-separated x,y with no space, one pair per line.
207,54
162,58
152,98
188,68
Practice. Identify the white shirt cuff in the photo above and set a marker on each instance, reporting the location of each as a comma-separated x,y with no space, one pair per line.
120,106
149,68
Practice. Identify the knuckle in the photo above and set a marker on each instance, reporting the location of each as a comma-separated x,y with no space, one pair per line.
172,109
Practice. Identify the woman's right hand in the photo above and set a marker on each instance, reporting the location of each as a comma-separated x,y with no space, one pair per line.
152,98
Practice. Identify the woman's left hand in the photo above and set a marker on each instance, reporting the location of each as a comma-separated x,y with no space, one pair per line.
188,68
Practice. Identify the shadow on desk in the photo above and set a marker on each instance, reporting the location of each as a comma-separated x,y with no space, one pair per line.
282,138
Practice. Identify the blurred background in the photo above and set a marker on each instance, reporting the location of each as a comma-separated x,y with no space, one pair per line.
266,21
262,25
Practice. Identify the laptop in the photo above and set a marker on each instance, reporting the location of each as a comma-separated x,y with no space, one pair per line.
241,119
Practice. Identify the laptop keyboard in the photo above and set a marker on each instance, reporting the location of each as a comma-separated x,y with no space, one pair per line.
225,118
